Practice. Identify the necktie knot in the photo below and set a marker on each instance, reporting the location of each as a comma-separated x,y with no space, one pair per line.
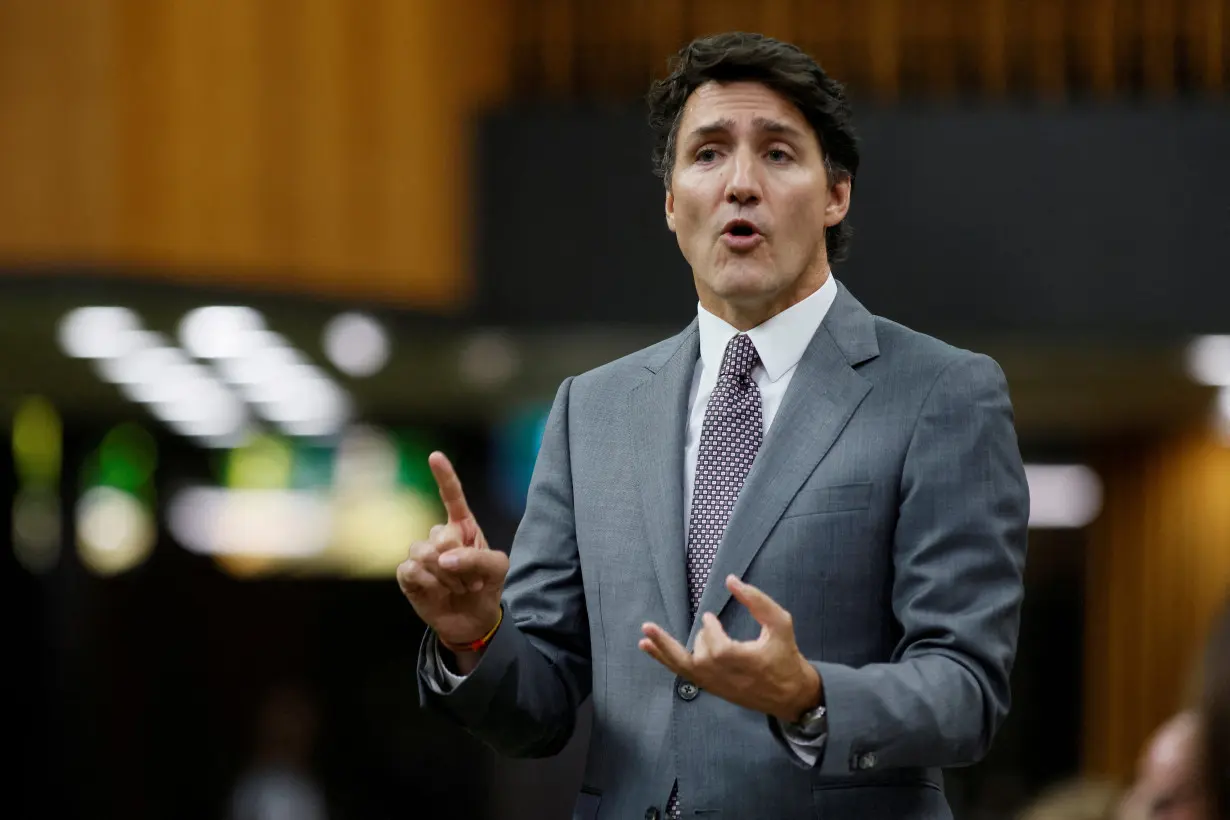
740,357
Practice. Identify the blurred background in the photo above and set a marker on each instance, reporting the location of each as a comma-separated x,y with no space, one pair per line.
259,257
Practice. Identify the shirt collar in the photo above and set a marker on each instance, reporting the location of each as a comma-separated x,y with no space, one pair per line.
780,341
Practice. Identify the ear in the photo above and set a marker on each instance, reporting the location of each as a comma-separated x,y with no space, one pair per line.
670,210
839,202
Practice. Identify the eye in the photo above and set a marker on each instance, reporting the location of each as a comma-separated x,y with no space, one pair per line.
778,155
706,155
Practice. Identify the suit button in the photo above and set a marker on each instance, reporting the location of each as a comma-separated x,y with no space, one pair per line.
652,813
687,690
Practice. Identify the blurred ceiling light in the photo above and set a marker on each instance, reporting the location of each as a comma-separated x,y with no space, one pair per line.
489,360
261,367
356,344
274,523
1208,360
97,332
1062,495
114,532
177,390
303,401
220,331
283,386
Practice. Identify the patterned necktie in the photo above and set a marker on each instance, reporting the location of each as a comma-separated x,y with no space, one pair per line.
729,440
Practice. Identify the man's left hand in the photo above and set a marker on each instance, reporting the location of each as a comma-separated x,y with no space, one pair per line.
767,675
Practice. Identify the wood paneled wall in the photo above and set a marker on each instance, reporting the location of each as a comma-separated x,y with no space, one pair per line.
297,144
322,145
886,49
1158,570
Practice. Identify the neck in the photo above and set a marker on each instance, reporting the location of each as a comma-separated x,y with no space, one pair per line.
743,315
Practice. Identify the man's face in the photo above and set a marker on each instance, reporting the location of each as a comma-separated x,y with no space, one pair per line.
749,200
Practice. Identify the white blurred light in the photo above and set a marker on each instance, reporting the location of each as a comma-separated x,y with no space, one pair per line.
220,331
366,462
1208,360
269,358
356,344
114,532
1062,495
97,332
272,523
489,360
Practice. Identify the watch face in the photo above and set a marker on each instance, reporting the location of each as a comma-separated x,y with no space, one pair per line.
813,722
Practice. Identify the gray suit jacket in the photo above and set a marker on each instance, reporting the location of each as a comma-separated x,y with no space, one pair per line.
886,510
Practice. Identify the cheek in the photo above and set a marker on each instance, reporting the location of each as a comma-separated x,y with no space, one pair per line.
688,222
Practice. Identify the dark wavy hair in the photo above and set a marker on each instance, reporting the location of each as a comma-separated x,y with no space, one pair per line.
739,56
1215,714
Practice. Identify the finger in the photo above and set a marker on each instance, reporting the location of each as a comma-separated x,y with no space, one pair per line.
715,636
414,580
668,651
767,612
426,554
469,565
445,537
451,494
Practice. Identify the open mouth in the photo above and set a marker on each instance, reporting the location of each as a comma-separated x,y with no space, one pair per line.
741,228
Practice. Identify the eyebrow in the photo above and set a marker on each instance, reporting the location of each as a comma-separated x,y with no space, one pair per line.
726,125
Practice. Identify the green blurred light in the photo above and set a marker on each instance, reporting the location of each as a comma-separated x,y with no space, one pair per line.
265,463
312,468
37,442
127,458
413,471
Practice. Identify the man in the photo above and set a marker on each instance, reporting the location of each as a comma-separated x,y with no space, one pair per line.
1168,775
782,550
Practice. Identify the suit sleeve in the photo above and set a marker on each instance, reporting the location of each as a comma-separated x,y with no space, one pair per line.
959,556
523,696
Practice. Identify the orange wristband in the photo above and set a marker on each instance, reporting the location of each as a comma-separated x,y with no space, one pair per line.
474,646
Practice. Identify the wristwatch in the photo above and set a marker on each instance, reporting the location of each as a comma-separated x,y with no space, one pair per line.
813,724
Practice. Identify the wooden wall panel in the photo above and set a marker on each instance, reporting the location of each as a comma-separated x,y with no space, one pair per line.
1158,569
324,144
320,143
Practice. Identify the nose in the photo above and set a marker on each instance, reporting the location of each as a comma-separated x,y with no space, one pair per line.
743,184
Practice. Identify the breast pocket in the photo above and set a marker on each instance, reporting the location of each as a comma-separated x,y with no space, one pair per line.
828,500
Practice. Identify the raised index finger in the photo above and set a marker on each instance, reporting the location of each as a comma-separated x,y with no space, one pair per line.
451,494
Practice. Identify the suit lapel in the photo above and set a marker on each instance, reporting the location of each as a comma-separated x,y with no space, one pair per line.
823,394
659,417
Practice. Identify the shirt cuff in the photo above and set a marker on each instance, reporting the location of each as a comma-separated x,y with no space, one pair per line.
807,749
439,677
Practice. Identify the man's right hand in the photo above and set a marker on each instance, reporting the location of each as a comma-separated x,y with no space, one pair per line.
453,580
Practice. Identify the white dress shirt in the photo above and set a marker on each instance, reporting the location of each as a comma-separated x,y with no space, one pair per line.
780,342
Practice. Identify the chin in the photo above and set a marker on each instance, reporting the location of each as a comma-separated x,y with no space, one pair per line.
745,286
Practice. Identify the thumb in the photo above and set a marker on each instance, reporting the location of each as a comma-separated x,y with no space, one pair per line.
767,612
